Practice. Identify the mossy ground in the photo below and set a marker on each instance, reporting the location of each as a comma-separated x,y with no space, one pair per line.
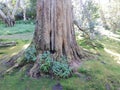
98,74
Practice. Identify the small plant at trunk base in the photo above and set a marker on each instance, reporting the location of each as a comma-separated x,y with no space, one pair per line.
58,68
30,53
45,62
61,70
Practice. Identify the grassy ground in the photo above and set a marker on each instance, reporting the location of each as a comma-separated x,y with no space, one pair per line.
17,29
103,73
13,49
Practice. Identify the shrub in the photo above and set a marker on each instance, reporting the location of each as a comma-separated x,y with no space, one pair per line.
45,62
59,68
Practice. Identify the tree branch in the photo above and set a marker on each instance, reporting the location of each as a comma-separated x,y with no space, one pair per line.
78,26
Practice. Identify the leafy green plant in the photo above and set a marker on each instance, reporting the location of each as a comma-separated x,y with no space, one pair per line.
61,70
30,53
45,62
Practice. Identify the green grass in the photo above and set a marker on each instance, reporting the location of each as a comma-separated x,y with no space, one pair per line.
95,74
111,44
13,49
19,81
17,29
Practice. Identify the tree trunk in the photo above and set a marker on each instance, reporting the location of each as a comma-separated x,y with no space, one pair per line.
15,8
7,19
23,6
54,32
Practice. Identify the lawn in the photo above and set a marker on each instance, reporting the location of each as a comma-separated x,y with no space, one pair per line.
102,73
17,29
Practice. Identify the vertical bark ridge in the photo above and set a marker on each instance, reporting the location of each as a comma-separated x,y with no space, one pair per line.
54,30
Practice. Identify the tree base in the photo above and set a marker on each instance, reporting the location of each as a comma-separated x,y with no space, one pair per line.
18,62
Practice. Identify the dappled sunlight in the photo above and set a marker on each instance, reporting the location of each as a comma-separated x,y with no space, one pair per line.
108,33
25,46
12,48
114,38
114,54
13,54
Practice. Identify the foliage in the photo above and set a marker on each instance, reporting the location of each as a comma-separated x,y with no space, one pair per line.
30,53
93,9
59,68
45,62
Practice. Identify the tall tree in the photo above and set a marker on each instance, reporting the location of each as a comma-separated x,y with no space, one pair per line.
54,33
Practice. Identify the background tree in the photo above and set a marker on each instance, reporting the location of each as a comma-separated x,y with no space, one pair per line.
8,15
9,9
86,16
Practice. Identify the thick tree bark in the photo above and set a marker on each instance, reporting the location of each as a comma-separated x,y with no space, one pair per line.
54,32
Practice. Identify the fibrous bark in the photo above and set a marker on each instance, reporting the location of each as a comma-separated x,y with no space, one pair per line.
54,33
54,29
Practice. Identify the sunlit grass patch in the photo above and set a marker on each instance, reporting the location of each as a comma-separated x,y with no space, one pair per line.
17,29
13,49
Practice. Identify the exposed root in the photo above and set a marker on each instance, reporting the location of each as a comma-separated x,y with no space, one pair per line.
13,59
35,72
17,61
